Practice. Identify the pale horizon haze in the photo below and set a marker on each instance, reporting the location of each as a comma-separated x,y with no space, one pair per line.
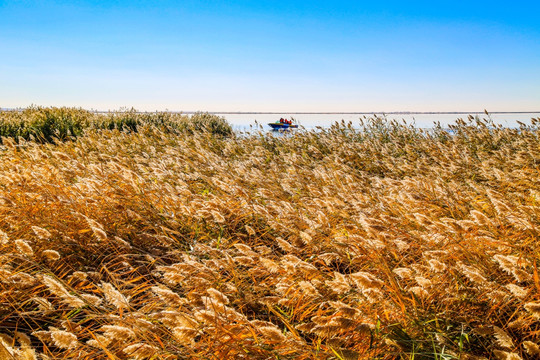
307,56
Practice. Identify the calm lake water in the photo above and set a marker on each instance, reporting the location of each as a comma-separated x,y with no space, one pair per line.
246,122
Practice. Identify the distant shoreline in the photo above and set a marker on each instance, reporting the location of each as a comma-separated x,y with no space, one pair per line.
312,112
375,112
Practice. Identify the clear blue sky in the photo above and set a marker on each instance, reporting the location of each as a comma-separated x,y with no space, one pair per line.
271,55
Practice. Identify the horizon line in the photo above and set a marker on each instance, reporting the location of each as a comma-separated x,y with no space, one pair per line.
296,112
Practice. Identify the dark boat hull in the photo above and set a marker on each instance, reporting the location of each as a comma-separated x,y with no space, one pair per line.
279,126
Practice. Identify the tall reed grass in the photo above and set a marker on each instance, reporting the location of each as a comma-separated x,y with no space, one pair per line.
384,242
52,124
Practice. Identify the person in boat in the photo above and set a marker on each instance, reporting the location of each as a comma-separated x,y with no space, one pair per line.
281,121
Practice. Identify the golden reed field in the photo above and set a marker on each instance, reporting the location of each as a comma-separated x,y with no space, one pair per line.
378,242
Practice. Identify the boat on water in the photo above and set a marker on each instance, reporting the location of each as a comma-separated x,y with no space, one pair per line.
284,124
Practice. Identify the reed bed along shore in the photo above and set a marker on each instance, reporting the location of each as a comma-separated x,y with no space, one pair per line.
57,124
384,242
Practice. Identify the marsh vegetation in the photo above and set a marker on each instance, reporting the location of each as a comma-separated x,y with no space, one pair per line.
59,124
377,242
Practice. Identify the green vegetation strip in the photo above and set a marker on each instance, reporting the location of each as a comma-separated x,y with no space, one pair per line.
54,124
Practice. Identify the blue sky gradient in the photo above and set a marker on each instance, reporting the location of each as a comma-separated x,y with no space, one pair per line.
271,55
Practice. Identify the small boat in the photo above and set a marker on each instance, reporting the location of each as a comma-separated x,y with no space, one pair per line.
279,125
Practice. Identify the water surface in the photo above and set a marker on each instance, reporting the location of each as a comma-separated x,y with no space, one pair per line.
246,122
